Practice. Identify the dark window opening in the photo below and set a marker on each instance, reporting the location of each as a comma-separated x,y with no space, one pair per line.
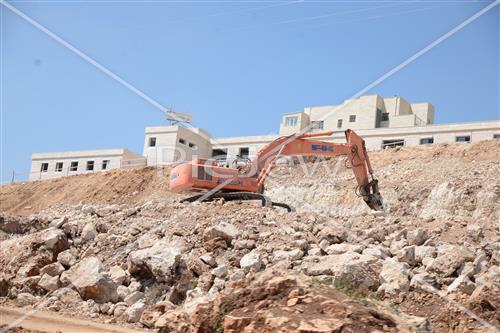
152,142
462,138
182,141
192,145
339,123
105,164
384,116
90,165
244,152
426,141
59,166
317,124
392,143
73,166
352,118
44,167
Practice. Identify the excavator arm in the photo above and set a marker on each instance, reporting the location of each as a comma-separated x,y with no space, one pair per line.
247,183
303,145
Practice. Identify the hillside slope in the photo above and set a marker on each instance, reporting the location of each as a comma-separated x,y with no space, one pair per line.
118,247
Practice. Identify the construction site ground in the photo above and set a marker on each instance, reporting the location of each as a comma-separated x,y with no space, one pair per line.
117,248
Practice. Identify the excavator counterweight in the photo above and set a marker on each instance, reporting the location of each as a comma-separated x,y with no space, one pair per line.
246,182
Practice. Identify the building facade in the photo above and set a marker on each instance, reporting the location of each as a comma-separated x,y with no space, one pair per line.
382,122
366,112
61,164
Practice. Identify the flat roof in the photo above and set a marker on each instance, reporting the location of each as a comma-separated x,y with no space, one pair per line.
82,153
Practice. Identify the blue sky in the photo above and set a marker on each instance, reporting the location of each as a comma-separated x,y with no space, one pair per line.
235,66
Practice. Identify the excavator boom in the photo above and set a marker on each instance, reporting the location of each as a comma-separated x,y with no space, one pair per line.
205,174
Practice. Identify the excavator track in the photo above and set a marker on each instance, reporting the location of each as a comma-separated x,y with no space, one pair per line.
231,196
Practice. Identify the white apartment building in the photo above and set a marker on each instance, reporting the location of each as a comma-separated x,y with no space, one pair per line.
61,164
382,122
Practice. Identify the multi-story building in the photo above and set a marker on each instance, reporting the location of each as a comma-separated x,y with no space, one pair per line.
382,122
55,165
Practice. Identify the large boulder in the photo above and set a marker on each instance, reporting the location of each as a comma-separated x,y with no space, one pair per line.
462,284
280,255
54,269
66,258
394,277
49,283
350,269
92,282
89,232
24,299
134,312
251,261
10,224
416,236
223,230
159,261
54,240
450,259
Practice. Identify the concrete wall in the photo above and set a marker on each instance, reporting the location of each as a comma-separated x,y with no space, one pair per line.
169,147
302,122
118,158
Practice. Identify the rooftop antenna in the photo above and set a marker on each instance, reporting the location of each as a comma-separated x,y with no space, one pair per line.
177,118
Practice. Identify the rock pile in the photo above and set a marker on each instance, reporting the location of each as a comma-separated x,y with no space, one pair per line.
223,266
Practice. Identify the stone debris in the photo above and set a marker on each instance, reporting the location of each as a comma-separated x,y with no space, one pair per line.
236,267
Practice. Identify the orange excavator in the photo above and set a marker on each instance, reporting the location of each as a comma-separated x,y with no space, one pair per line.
245,181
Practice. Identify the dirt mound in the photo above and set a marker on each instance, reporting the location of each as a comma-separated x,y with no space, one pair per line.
124,186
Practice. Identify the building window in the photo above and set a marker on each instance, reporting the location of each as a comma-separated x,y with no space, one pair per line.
182,141
44,167
317,124
59,166
352,118
496,136
90,165
339,123
393,143
192,145
462,138
105,164
426,141
244,152
152,142
291,121
73,166
385,116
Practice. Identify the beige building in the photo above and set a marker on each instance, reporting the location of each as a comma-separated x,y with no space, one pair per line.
382,122
366,112
60,164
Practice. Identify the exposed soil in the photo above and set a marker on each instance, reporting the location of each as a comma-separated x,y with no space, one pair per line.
118,247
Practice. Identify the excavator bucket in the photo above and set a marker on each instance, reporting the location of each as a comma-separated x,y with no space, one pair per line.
372,196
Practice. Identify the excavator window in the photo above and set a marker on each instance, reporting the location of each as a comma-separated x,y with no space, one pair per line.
244,152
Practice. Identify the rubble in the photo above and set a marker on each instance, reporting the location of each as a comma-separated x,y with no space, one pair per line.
146,260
